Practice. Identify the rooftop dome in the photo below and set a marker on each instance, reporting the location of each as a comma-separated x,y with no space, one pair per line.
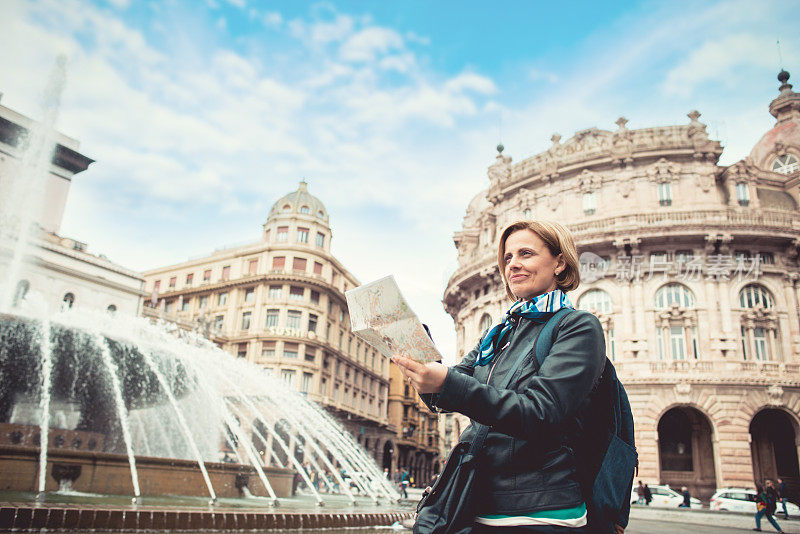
299,202
783,141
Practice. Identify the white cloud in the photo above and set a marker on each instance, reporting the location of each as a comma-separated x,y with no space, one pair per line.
537,74
322,32
469,81
721,60
370,42
273,19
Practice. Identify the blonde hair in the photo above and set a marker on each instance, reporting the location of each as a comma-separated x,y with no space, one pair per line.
558,241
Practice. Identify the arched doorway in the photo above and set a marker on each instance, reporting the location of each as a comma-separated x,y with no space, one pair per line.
774,449
388,451
686,452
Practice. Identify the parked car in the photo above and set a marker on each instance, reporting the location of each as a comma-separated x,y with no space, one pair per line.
743,500
665,497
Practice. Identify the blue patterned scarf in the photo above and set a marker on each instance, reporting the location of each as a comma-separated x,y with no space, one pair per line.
539,309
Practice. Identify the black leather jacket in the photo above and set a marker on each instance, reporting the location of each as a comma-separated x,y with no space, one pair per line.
528,463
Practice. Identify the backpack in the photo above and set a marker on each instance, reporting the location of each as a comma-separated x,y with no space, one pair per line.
606,463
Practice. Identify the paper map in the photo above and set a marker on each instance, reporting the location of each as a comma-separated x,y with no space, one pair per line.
381,316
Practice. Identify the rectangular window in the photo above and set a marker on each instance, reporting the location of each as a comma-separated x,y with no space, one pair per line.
311,354
314,297
249,295
189,279
328,332
283,234
684,256
312,322
157,285
207,275
168,306
341,315
341,339
185,305
241,351
293,319
172,282
766,258
336,393
219,321
202,302
222,298
226,272
302,235
290,350
252,267
743,194
287,377
320,239
677,341
744,342
589,203
299,265
268,349
305,385
297,293
272,318
760,342
278,263
317,268
275,292
323,389
246,320
665,194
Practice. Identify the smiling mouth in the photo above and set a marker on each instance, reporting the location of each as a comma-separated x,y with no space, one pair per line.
518,277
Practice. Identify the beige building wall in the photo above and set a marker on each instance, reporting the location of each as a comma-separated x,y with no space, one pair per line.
692,268
279,302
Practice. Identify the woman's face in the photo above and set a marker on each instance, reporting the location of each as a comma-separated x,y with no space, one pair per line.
530,268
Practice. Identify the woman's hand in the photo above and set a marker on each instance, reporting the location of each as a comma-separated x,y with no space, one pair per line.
425,377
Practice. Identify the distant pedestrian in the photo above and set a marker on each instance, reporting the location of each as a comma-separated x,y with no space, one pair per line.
404,482
648,495
783,496
687,498
765,506
640,493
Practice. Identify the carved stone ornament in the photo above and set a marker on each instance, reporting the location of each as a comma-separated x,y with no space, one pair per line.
705,179
553,197
683,391
625,186
697,130
500,171
663,171
589,181
775,395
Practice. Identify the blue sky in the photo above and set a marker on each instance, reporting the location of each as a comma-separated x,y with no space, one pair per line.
201,114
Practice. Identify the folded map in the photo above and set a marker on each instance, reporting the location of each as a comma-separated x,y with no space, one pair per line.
381,316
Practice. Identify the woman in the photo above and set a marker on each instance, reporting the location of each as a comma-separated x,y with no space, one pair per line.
528,472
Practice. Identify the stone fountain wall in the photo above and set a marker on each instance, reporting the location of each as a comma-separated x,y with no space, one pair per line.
106,473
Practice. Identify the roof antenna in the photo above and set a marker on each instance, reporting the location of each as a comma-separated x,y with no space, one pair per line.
500,146
780,56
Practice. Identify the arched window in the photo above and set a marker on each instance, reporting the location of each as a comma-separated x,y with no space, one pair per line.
760,332
112,309
305,210
754,295
68,301
286,208
671,294
22,290
595,300
486,322
527,213
321,214
786,164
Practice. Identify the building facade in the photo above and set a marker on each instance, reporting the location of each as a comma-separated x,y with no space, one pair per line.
60,269
691,267
279,302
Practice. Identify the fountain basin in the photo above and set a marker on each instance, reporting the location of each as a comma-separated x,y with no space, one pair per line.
109,474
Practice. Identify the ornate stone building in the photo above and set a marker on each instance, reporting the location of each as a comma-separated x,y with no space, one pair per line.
280,302
416,431
692,268
60,269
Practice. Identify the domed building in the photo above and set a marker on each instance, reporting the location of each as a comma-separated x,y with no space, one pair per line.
691,267
280,302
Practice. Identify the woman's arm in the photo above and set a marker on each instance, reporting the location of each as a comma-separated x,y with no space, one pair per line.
566,378
465,367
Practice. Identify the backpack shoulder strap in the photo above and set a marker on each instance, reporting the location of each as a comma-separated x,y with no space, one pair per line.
544,340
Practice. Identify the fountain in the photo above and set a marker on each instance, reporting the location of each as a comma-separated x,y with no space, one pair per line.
95,403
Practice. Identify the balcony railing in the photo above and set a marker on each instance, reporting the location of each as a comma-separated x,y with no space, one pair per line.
665,219
743,370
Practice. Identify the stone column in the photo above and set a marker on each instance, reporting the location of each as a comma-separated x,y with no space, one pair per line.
627,318
638,295
791,337
724,308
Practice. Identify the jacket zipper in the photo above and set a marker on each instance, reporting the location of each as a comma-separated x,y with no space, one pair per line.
502,351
